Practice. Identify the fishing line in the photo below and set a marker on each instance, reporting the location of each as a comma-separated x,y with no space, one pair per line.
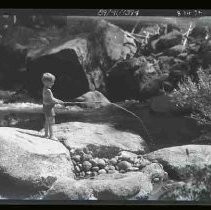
126,110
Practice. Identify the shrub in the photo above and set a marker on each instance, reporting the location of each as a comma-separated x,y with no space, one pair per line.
197,188
196,96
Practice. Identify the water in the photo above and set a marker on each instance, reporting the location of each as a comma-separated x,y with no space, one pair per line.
139,120
126,110
159,130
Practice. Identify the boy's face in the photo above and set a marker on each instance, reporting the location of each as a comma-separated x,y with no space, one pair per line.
48,83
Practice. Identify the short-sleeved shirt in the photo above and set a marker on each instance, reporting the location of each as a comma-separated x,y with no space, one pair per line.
48,103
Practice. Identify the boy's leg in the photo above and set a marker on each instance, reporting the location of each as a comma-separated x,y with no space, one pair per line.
51,131
46,127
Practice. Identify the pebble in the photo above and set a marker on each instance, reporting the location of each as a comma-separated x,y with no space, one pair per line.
76,158
93,162
144,163
74,162
82,174
87,165
87,157
88,173
101,163
94,173
86,150
111,168
124,165
95,168
102,171
126,154
77,169
113,161
112,171
79,151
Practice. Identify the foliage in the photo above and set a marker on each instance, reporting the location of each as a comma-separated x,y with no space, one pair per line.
195,95
197,188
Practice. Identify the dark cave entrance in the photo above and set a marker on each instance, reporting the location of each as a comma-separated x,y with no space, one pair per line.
71,80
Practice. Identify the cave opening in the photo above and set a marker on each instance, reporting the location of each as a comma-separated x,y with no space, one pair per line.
71,80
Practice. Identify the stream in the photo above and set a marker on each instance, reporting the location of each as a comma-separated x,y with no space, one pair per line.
159,130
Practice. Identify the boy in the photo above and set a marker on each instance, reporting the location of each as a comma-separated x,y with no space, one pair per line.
48,104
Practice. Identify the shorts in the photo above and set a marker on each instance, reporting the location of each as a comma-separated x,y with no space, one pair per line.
50,120
49,110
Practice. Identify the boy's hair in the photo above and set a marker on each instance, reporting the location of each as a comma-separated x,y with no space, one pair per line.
48,77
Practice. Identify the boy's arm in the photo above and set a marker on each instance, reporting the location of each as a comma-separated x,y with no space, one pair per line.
53,99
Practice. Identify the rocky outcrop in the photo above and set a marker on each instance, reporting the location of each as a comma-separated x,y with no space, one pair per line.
167,41
82,60
178,161
132,185
29,163
92,99
78,61
133,78
99,135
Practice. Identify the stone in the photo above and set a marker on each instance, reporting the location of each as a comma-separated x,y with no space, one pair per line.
125,155
88,173
93,162
77,169
114,186
102,171
82,174
144,162
87,157
90,98
175,50
100,135
94,173
112,171
96,168
167,41
101,163
111,168
124,165
113,161
87,165
30,163
69,189
74,56
76,158
179,162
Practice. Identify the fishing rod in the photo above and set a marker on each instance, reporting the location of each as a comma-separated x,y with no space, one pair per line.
124,109
77,102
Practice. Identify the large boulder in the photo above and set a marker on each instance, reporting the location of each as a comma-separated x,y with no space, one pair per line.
82,60
126,78
78,61
81,135
175,50
29,163
178,161
93,99
166,41
117,186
